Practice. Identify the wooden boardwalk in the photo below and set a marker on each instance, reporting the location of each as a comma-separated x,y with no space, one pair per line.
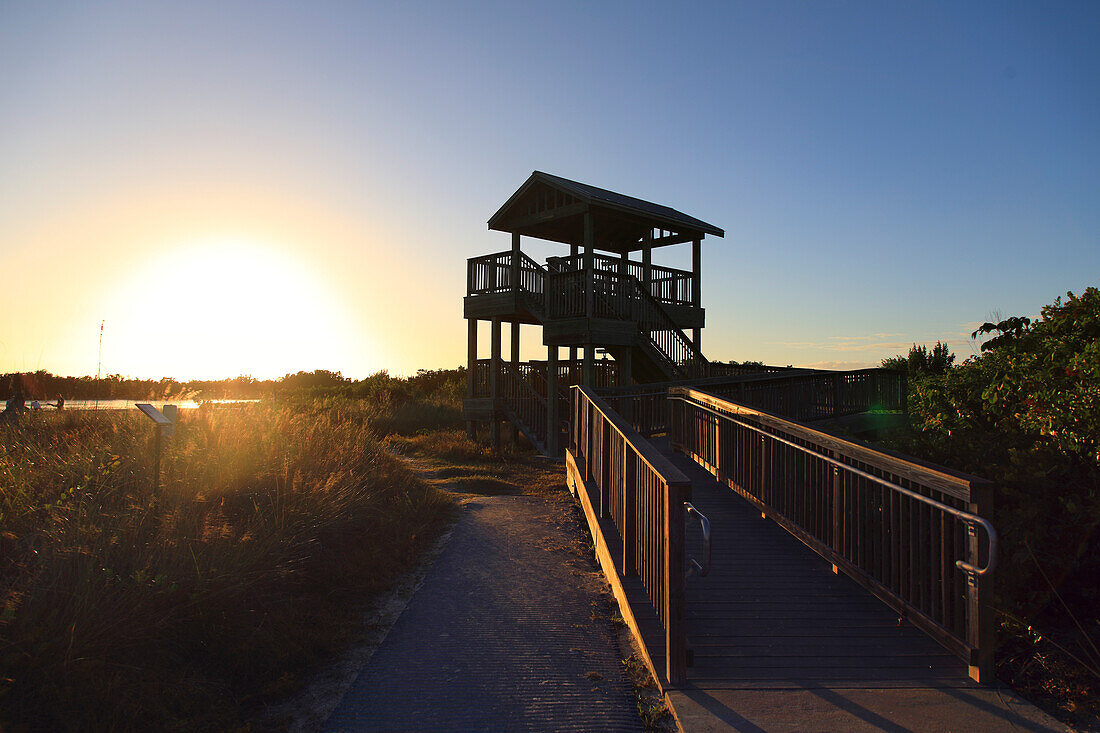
780,642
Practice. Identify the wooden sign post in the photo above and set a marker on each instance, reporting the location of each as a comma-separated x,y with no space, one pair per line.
162,424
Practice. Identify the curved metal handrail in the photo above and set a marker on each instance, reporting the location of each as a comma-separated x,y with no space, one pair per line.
704,569
991,533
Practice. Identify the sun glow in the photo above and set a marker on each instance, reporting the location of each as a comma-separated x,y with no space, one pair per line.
223,306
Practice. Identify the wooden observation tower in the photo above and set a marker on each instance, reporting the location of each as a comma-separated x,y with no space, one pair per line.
605,294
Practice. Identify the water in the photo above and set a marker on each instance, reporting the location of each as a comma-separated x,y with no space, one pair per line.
129,404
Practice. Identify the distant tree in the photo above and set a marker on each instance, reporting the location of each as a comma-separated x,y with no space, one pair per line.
922,361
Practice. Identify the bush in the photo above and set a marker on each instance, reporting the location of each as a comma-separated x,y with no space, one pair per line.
126,607
1026,414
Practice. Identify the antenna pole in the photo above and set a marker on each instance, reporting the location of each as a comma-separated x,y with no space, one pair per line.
99,365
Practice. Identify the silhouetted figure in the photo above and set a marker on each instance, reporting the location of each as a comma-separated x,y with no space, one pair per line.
60,403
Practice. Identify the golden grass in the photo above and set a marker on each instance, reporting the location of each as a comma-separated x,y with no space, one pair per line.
454,460
125,607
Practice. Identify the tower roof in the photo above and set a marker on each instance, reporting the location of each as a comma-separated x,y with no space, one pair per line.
552,207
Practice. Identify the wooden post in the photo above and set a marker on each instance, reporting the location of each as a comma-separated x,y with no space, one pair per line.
625,378
647,262
605,469
696,272
696,295
624,270
471,371
718,472
574,250
494,384
515,262
589,414
589,266
837,498
552,400
588,373
513,349
979,615
673,613
514,346
630,506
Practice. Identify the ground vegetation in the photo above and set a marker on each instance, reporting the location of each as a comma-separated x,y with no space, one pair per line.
1025,413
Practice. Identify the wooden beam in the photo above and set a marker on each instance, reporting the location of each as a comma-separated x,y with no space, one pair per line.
471,369
552,401
515,261
542,217
514,346
494,383
675,239
589,265
696,271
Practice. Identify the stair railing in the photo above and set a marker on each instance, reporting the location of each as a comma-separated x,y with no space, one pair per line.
524,401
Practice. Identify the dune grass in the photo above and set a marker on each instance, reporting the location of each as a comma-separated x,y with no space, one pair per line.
460,464
187,607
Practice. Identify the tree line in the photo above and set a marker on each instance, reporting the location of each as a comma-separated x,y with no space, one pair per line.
42,385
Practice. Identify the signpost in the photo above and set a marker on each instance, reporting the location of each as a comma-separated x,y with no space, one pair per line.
164,426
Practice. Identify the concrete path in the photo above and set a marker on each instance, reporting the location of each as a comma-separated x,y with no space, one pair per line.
510,631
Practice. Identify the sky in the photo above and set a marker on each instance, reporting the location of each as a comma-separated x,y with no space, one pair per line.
266,187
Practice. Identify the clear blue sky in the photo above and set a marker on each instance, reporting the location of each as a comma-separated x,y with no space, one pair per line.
885,172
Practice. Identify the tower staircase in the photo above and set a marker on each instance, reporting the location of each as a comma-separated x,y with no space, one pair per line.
655,345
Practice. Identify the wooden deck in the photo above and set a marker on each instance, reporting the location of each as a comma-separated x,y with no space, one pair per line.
780,642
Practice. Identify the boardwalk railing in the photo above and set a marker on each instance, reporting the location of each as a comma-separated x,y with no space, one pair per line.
912,534
641,494
797,394
820,395
569,373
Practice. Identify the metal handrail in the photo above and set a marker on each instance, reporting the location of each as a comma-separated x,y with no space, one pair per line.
990,532
702,570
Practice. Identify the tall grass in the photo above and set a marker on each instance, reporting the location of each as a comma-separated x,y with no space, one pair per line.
185,607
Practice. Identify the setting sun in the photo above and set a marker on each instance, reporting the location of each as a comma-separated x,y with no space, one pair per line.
225,305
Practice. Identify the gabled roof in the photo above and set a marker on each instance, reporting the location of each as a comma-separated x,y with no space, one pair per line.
620,219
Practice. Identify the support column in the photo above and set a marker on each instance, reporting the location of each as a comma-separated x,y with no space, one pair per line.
552,417
494,384
647,261
471,371
589,265
696,294
696,271
513,352
515,262
574,251
514,346
625,379
588,373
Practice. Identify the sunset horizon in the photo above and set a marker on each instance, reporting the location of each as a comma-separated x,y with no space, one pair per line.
241,192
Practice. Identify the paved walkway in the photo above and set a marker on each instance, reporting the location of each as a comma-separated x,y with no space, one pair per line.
510,631
783,644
